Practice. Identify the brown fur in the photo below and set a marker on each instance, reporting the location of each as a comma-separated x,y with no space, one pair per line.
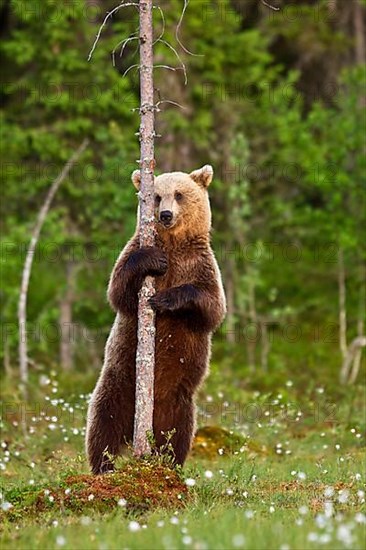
190,304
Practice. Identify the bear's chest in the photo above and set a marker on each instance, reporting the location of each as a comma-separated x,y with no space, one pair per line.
181,270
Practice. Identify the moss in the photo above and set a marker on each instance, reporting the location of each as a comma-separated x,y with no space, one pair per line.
141,485
213,441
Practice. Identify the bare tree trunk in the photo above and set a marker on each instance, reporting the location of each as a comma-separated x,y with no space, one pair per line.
230,302
360,332
357,345
251,347
265,346
359,29
358,354
7,366
66,343
342,304
145,355
22,304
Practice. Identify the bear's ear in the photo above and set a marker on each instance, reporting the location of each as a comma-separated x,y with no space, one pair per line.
136,179
203,176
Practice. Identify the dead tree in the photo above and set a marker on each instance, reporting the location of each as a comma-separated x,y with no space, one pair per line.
145,355
22,304
354,349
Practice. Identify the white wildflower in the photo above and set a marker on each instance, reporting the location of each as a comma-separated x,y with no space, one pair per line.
174,520
190,482
328,509
134,526
328,492
360,518
324,538
343,496
238,540
344,535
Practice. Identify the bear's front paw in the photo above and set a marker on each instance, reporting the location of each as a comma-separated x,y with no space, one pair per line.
164,301
149,261
157,263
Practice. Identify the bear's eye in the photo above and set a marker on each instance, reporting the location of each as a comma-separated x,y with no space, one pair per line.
157,200
178,196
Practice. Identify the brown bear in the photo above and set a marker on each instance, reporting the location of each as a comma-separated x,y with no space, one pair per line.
189,304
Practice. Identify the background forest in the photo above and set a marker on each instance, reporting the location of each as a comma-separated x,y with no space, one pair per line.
275,101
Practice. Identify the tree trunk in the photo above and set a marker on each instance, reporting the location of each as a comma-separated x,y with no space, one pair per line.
358,353
359,29
342,304
360,331
66,343
253,318
357,344
7,366
22,304
230,302
265,346
145,355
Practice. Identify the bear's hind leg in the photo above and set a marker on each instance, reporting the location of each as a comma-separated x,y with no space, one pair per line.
182,439
109,428
182,422
101,446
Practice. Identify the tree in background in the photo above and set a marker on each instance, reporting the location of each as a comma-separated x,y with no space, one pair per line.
273,77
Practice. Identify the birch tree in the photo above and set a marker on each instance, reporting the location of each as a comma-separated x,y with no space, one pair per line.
27,269
145,355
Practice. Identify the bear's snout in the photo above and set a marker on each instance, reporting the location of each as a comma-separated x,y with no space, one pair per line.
166,217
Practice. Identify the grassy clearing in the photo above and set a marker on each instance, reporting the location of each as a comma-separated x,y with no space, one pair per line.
284,470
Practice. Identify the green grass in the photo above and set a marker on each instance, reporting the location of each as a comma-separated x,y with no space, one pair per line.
290,475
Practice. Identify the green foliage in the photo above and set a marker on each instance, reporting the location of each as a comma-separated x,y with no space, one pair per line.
272,101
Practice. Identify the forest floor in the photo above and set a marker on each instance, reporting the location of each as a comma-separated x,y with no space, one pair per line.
282,470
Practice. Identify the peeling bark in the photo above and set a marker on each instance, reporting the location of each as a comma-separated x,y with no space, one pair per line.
145,355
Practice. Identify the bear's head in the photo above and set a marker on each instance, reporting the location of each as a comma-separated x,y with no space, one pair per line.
181,202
